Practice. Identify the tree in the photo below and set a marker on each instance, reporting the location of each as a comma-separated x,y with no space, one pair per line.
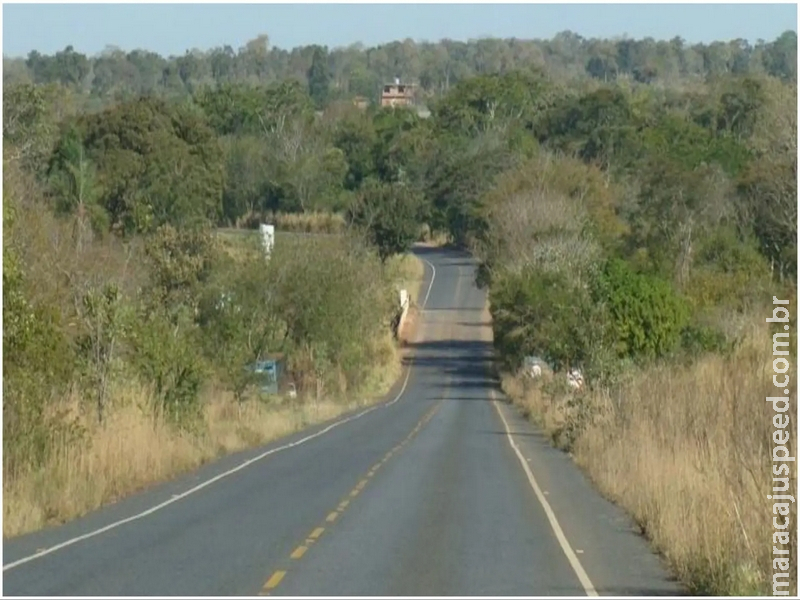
73,179
390,215
156,163
319,78
493,102
28,124
247,184
459,172
355,136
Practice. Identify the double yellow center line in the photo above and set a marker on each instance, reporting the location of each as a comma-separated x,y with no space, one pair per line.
298,553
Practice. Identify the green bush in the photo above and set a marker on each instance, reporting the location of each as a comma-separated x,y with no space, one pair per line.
167,354
699,339
646,316
334,300
542,313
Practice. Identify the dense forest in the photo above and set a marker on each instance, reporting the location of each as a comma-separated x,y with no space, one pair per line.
632,204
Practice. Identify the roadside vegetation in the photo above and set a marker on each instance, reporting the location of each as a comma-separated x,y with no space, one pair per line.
632,204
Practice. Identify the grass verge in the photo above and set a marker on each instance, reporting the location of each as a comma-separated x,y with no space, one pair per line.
686,451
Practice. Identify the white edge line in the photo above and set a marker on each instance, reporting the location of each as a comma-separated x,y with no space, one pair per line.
430,285
551,516
216,478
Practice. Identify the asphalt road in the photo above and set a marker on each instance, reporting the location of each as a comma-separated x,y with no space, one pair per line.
426,494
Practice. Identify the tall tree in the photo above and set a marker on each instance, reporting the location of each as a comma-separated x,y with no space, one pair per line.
319,78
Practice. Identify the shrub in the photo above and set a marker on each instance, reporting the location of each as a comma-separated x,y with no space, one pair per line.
541,313
646,314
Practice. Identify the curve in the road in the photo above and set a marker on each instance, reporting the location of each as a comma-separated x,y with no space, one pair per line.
425,496
178,497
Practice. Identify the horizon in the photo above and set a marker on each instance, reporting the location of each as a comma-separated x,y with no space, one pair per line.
25,26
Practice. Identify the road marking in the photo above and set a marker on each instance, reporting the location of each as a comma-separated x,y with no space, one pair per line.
430,285
274,580
301,550
177,497
551,516
332,517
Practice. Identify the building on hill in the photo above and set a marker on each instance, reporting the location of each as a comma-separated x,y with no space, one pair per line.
398,94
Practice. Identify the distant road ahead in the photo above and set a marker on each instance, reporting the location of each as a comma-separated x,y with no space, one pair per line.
424,494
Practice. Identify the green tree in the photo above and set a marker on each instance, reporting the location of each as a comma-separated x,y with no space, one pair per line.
28,125
319,78
390,214
73,180
356,137
156,163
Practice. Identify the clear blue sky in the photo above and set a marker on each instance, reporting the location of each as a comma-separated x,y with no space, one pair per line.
173,28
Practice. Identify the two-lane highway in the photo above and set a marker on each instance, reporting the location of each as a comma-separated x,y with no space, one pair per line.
438,491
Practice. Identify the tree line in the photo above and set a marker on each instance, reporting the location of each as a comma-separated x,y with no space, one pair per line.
339,73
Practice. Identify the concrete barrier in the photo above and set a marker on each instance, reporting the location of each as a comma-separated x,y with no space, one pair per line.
405,303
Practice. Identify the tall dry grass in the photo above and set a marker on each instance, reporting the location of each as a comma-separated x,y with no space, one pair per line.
320,222
408,272
687,452
308,222
133,449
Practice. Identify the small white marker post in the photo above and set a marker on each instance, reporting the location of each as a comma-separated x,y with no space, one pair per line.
404,305
267,239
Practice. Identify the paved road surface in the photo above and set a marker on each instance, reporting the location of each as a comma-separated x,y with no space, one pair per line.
425,495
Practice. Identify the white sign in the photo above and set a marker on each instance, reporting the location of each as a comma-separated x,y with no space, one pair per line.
267,238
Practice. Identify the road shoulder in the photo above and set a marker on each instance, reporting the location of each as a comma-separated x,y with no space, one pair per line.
616,558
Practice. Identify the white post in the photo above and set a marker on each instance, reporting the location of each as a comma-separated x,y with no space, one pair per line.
267,239
404,305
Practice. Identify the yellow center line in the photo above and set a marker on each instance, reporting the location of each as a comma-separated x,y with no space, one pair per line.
274,580
298,552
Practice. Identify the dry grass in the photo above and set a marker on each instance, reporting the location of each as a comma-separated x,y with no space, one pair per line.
408,272
309,222
134,450
433,238
687,452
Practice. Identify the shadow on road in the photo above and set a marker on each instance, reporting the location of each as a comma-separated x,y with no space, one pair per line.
447,252
462,366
